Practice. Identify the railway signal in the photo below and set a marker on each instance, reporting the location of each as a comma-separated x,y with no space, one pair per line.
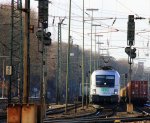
130,30
43,11
131,52
45,37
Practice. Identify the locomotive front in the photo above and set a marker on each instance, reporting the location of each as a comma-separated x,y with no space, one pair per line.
105,86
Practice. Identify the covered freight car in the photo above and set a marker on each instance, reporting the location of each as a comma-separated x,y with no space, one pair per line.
137,91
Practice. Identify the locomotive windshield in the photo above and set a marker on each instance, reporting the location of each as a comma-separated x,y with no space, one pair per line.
105,80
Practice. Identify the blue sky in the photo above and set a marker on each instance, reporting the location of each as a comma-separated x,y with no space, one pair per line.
105,16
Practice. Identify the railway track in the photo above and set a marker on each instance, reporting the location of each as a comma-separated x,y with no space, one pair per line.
97,119
103,115
143,110
62,109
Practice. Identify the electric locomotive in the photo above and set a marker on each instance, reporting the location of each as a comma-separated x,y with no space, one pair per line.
105,86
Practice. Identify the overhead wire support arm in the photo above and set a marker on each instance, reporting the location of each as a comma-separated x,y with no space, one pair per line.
139,18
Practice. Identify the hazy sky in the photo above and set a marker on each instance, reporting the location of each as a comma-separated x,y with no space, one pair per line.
112,15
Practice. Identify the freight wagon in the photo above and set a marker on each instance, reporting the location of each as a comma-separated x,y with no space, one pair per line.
137,91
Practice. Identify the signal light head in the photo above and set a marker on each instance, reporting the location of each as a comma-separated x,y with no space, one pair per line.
131,52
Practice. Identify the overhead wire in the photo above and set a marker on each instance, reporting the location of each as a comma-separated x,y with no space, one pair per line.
79,16
102,23
127,8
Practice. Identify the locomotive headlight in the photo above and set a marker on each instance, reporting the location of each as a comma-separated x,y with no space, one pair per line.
94,91
115,91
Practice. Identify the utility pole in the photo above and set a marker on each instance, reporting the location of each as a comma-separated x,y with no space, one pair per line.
58,79
92,10
43,82
16,50
45,38
3,73
83,71
77,70
26,59
59,61
95,46
131,53
68,58
148,86
3,79
99,46
95,50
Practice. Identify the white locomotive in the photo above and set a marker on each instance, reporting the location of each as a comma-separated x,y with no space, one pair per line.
105,86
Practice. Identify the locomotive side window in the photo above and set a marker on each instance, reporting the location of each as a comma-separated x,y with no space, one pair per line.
105,80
